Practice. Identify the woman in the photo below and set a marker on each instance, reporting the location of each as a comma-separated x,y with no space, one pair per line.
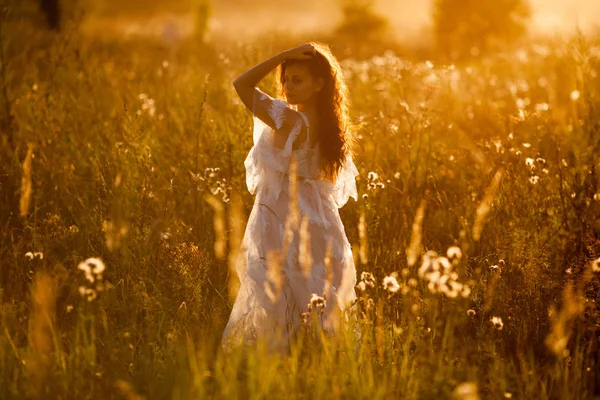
295,260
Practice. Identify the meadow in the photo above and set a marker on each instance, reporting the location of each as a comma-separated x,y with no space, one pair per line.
130,153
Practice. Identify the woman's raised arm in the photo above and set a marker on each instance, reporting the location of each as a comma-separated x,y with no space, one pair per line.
244,84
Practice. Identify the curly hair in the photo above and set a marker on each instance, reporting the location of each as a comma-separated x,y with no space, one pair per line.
336,138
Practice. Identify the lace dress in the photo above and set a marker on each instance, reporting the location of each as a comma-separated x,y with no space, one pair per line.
276,288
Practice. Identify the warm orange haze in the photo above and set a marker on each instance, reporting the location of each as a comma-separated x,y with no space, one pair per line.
409,19
292,199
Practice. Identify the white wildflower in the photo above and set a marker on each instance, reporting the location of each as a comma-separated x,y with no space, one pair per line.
467,391
529,162
317,303
575,95
372,176
391,284
454,252
497,322
596,265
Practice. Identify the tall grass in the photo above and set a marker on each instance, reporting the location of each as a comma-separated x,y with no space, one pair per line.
132,152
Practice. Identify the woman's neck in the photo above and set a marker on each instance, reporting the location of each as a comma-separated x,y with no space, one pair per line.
310,109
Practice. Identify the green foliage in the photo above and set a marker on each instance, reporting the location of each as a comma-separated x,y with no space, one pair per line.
469,28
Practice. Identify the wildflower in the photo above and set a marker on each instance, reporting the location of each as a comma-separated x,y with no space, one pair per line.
466,292
596,265
31,255
529,162
471,313
575,95
93,269
497,322
372,176
597,196
391,284
534,179
304,317
317,303
362,286
454,252
69,308
89,293
368,279
445,265
428,265
466,391
397,175
526,145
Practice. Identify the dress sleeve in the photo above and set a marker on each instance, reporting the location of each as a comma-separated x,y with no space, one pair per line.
345,185
266,164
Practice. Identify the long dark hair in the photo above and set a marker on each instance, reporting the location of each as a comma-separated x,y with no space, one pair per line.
336,138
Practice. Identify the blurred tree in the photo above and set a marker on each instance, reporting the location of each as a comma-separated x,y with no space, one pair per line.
359,20
465,28
361,28
51,10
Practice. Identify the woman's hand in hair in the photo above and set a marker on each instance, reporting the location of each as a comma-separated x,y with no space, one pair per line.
304,52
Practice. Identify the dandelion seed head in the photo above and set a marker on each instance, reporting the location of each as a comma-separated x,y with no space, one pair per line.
575,95
466,292
467,391
454,252
391,284
317,303
497,322
596,265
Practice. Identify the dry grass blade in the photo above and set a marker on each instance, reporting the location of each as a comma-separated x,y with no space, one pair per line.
304,250
416,236
486,204
41,344
362,236
236,232
26,183
219,225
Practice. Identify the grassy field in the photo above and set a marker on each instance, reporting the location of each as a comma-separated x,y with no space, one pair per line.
131,152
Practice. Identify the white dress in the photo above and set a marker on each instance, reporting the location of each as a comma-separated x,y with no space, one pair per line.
269,305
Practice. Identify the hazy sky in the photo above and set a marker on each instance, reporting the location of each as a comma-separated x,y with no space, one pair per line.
408,17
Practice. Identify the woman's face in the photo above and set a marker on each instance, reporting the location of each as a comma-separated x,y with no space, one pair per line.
299,85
